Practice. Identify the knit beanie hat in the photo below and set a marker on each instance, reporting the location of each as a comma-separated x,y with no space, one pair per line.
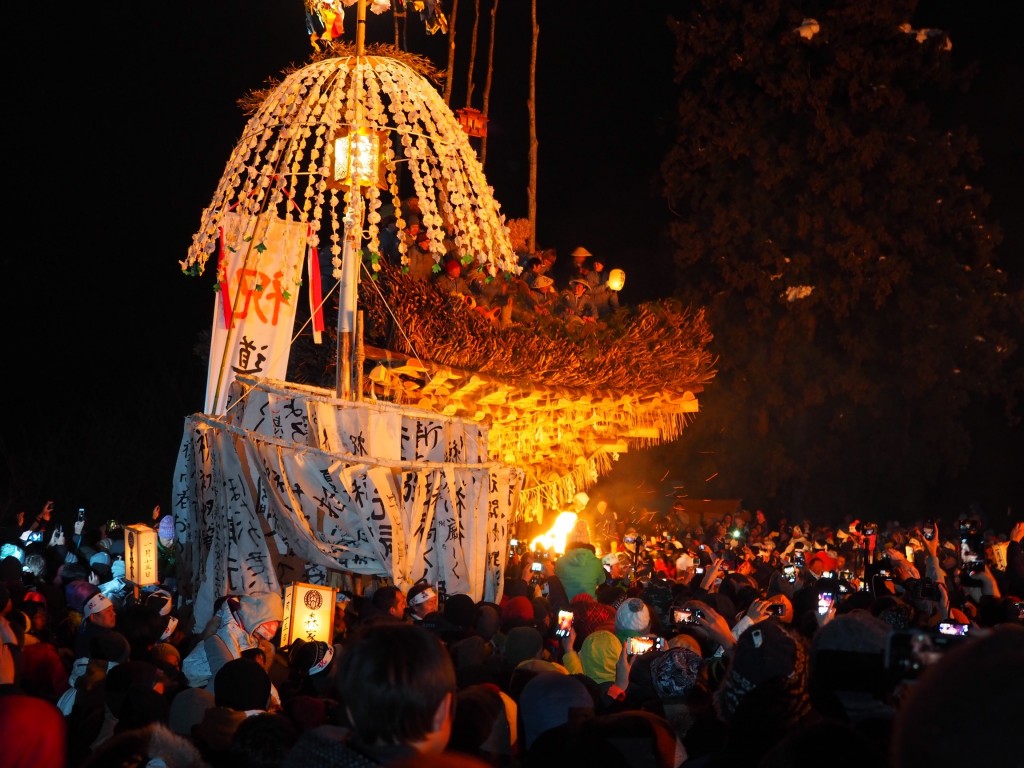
546,700
856,631
188,708
590,616
109,645
658,595
628,738
611,595
100,558
310,658
460,610
516,612
522,643
848,654
165,530
895,612
676,672
632,619
580,534
599,656
242,685
767,653
161,651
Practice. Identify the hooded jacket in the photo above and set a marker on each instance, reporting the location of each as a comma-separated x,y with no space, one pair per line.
580,571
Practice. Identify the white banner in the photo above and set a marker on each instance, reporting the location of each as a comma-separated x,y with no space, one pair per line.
259,275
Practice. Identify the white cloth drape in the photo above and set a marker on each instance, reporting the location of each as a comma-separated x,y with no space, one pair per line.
257,501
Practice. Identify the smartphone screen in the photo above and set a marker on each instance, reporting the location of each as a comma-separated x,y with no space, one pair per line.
953,628
825,600
639,645
537,567
564,623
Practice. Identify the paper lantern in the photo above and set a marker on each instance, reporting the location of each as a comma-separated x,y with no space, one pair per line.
308,613
358,155
140,555
473,121
616,279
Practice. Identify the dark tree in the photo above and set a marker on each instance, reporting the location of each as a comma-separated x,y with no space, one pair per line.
828,219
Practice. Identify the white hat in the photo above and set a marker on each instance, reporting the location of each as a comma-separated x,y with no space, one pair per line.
633,617
580,533
581,251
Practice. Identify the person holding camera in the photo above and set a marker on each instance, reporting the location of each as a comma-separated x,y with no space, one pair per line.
36,530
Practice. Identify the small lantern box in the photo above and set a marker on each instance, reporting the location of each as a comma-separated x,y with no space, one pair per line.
140,555
308,613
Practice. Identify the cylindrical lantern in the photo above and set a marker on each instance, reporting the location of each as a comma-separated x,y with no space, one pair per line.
616,279
308,613
140,555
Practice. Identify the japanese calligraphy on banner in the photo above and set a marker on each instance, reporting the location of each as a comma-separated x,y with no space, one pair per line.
259,275
315,417
252,510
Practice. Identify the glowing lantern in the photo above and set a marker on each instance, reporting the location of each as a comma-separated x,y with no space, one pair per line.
616,279
308,613
358,155
140,566
472,121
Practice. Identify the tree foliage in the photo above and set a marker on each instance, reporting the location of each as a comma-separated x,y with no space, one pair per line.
829,222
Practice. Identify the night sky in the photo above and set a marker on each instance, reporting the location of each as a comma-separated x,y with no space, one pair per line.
122,119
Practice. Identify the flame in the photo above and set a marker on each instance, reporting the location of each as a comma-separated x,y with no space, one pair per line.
553,540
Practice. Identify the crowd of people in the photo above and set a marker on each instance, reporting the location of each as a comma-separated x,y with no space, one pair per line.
738,643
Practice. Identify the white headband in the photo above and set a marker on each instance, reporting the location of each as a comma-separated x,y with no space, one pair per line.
172,624
95,604
423,596
321,665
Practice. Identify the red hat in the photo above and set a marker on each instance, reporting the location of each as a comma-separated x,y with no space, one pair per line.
516,611
828,563
33,596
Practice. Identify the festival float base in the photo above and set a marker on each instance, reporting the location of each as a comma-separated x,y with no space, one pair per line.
424,475
451,428
296,485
